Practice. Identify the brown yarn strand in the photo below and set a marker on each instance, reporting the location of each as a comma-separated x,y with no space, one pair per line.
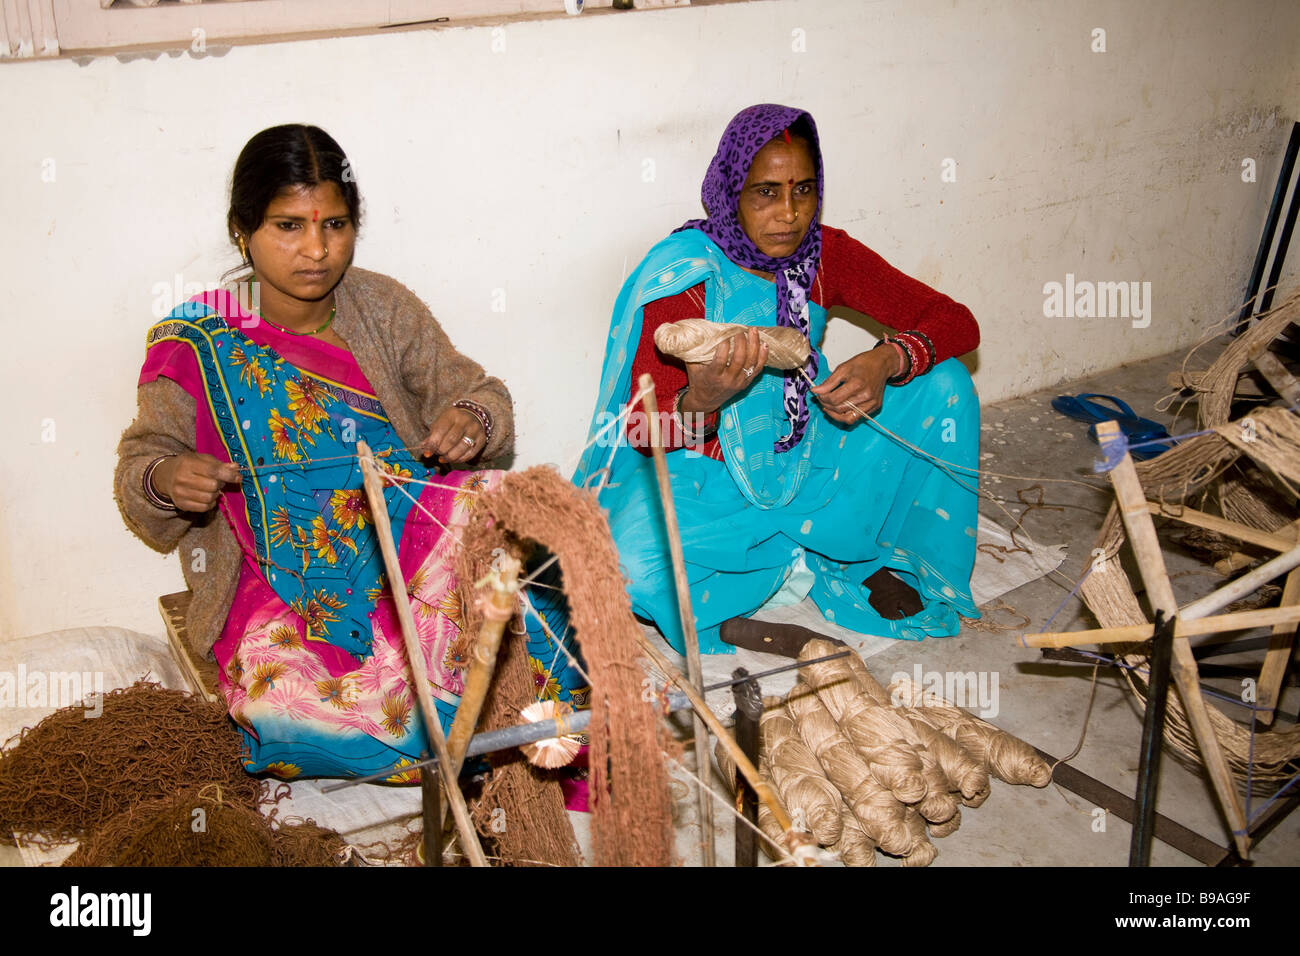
631,815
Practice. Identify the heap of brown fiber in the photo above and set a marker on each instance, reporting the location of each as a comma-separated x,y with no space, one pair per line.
70,774
631,816
198,827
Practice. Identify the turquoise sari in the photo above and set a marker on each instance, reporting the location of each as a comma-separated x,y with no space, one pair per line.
840,505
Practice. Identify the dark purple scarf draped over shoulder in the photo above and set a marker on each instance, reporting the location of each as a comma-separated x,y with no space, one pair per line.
745,135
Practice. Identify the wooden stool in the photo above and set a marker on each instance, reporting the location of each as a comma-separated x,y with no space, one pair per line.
200,674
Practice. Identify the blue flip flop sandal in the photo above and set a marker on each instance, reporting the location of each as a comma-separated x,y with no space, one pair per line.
1135,428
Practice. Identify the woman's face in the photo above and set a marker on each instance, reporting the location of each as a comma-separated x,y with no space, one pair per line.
305,243
779,199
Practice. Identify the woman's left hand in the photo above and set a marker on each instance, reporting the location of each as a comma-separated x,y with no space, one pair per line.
456,436
860,380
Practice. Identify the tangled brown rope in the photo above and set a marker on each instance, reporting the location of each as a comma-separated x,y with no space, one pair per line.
70,774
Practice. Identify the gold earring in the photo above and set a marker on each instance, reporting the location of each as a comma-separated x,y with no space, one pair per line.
243,250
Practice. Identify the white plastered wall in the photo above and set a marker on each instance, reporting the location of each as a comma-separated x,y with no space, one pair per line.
542,171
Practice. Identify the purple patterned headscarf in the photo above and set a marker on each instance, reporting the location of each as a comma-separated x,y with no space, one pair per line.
750,131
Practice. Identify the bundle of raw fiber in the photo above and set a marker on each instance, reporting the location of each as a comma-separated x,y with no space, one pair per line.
66,777
898,758
1219,382
696,340
197,827
883,818
632,820
838,753
1006,757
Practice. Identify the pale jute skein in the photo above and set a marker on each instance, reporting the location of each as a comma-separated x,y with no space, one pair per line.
893,761
924,852
948,827
867,722
798,775
883,737
696,340
882,817
1008,758
960,766
854,848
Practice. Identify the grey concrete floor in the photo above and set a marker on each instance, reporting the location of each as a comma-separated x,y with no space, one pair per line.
1045,702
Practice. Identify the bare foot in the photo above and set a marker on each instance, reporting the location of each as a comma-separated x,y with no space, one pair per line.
892,598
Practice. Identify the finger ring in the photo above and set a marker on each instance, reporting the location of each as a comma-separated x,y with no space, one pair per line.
467,440
748,372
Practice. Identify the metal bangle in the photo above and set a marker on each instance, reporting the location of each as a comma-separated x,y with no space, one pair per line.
481,413
155,497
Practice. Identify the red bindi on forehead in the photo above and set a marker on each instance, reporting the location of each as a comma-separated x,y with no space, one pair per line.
315,214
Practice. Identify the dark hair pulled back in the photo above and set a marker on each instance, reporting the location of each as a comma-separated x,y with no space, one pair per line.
283,157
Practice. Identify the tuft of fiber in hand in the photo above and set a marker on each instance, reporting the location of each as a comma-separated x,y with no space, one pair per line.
696,340
66,777
631,814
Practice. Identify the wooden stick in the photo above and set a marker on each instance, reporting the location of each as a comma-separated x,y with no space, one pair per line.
1237,560
396,583
1277,376
1239,620
693,667
483,666
1273,540
744,765
1278,655
1248,582
504,584
1151,565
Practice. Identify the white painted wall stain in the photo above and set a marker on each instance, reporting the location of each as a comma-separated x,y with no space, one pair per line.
524,171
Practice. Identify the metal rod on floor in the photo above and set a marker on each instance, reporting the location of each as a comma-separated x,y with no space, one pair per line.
1153,728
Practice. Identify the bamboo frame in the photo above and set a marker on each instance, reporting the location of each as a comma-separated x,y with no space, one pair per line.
1151,564
693,667
1263,617
384,532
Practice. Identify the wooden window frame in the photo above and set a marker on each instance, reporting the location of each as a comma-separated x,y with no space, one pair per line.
73,28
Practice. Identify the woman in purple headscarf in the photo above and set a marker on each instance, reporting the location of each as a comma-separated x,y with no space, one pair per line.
781,478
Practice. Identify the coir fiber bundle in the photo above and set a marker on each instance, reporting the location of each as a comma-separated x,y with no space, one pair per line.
67,776
197,827
632,821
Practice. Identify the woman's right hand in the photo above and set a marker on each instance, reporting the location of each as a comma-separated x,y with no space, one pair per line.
737,362
193,481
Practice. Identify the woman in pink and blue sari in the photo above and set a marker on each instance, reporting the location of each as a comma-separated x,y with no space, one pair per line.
251,403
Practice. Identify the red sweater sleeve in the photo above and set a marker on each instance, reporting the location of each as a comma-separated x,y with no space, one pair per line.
668,373
854,276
